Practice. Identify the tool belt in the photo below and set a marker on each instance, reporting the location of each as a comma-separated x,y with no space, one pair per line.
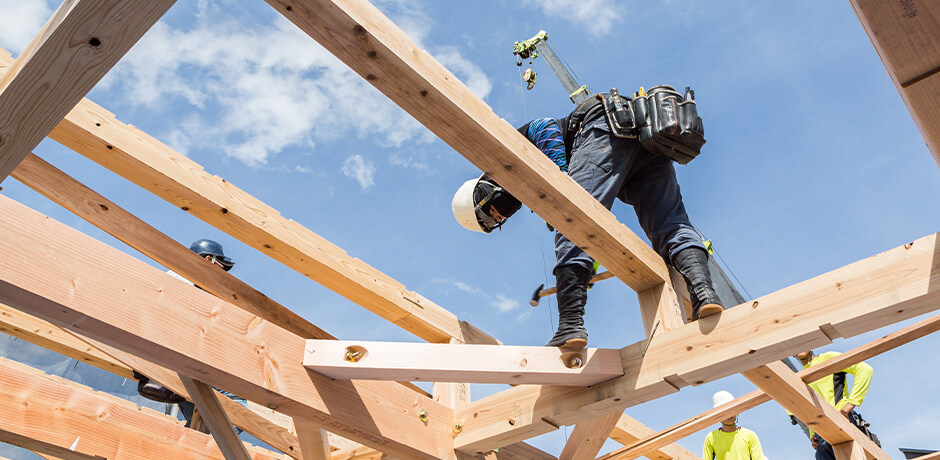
665,122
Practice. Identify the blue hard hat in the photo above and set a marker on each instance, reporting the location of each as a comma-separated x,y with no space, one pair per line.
206,247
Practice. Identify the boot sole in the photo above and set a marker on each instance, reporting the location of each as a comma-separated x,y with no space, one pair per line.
709,310
575,343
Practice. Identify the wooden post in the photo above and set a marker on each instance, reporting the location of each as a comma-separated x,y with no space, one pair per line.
207,401
588,437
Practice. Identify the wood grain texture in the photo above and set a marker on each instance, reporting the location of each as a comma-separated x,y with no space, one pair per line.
61,188
374,47
588,437
314,442
849,451
74,50
207,402
111,297
782,384
886,288
438,362
64,415
629,430
906,35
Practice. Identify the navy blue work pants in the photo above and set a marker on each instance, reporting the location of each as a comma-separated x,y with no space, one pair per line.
610,167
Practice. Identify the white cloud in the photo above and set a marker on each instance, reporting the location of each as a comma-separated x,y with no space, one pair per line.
467,71
409,162
596,17
360,169
256,90
21,21
504,304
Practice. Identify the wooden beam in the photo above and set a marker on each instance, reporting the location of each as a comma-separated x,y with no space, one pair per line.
68,343
207,402
649,443
374,47
588,437
782,384
51,337
141,159
906,36
439,362
629,430
850,450
892,286
76,47
92,285
61,188
314,442
62,418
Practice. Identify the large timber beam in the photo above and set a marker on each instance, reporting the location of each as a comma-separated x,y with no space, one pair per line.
782,384
906,35
78,45
68,420
206,401
375,48
653,441
440,362
588,437
629,430
886,288
111,297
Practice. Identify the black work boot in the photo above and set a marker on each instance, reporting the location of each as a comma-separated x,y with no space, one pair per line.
692,263
156,392
571,281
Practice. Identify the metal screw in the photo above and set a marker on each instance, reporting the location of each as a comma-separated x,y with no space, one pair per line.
575,363
423,415
272,406
353,356
458,427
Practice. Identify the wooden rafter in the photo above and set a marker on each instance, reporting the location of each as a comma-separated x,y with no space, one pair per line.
84,349
654,441
906,35
629,430
261,362
72,421
857,298
77,46
782,384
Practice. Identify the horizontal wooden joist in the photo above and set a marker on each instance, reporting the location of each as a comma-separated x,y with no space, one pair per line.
109,296
78,45
654,441
886,288
437,362
374,47
67,418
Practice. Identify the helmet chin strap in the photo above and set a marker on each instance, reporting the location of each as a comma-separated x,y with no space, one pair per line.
485,219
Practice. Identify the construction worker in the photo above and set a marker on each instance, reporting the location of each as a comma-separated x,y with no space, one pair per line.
832,389
211,251
731,442
608,167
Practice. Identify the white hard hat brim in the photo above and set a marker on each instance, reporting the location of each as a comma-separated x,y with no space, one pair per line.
464,207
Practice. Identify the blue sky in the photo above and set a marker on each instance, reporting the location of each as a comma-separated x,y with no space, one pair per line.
812,162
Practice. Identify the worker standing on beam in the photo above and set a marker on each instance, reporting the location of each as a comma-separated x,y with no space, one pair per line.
832,389
731,442
609,166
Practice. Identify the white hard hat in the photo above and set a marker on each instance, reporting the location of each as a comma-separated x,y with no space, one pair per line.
721,397
464,208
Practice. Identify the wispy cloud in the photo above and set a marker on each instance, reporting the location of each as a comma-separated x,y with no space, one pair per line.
499,301
20,22
256,90
595,17
360,169
397,159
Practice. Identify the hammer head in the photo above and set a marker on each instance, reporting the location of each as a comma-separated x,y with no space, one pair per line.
535,295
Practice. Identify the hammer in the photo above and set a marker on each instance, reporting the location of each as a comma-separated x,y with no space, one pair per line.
539,292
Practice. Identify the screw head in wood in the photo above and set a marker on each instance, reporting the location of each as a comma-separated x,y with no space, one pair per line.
458,427
352,356
575,363
423,415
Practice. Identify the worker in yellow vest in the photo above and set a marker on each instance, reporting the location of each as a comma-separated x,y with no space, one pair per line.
731,442
832,389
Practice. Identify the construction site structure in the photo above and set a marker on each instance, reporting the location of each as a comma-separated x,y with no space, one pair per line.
237,339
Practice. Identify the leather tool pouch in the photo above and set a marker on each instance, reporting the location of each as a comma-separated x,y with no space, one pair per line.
620,114
668,123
